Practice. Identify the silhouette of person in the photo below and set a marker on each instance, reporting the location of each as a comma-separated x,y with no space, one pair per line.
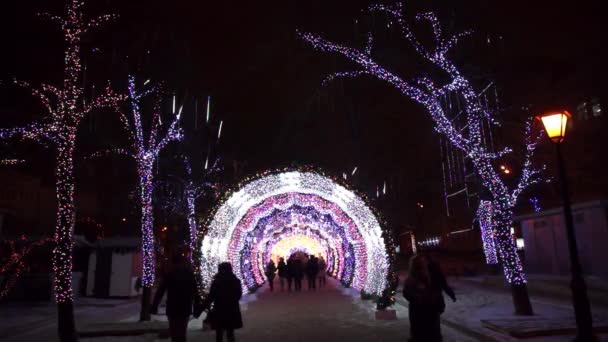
322,272
162,288
438,279
224,294
180,285
298,274
282,273
290,272
425,301
312,268
270,273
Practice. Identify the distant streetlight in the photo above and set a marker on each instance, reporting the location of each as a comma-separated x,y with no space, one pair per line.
555,124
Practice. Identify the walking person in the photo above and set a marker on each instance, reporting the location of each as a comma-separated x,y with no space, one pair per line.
439,280
312,268
322,272
290,272
224,294
282,273
270,273
161,289
298,274
182,294
425,302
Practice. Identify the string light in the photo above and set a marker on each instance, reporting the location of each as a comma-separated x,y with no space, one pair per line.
195,188
427,93
11,162
535,203
145,152
208,108
17,262
484,215
273,208
65,108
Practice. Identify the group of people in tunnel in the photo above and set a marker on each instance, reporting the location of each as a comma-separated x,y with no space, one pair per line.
293,271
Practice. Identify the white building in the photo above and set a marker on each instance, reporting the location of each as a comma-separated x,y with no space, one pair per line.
546,245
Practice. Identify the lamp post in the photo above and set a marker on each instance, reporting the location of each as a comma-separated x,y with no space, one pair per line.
555,125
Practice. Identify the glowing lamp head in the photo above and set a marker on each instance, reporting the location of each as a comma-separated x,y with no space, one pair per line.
555,125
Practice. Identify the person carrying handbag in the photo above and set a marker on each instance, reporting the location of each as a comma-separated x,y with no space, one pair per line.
222,303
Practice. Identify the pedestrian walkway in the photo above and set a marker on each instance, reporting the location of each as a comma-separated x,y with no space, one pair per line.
332,313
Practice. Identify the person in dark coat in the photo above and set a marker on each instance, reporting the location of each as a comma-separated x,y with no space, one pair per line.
298,274
270,274
438,280
182,293
282,273
224,294
322,272
425,302
160,291
290,272
312,268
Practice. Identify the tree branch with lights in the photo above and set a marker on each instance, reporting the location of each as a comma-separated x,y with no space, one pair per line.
196,187
12,268
65,108
145,150
429,93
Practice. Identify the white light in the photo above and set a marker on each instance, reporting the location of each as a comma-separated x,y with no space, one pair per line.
519,243
295,188
208,107
173,110
354,171
219,131
461,231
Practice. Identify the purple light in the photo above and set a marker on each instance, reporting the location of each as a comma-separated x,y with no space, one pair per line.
429,94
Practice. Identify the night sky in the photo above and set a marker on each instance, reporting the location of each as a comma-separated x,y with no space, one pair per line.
266,84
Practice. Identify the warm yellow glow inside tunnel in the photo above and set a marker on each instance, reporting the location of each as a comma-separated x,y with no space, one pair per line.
298,242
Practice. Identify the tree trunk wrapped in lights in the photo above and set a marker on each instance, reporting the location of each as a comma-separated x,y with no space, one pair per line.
145,150
66,107
429,93
194,188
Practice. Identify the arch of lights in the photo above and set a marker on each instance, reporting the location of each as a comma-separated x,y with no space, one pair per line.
278,214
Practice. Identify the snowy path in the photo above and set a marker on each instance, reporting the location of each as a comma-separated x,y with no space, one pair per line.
329,314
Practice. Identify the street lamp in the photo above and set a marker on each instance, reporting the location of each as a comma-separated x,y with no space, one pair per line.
555,124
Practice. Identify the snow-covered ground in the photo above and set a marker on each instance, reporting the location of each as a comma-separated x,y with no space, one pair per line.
333,313
328,314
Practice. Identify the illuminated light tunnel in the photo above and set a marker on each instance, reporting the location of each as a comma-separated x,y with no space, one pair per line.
282,213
